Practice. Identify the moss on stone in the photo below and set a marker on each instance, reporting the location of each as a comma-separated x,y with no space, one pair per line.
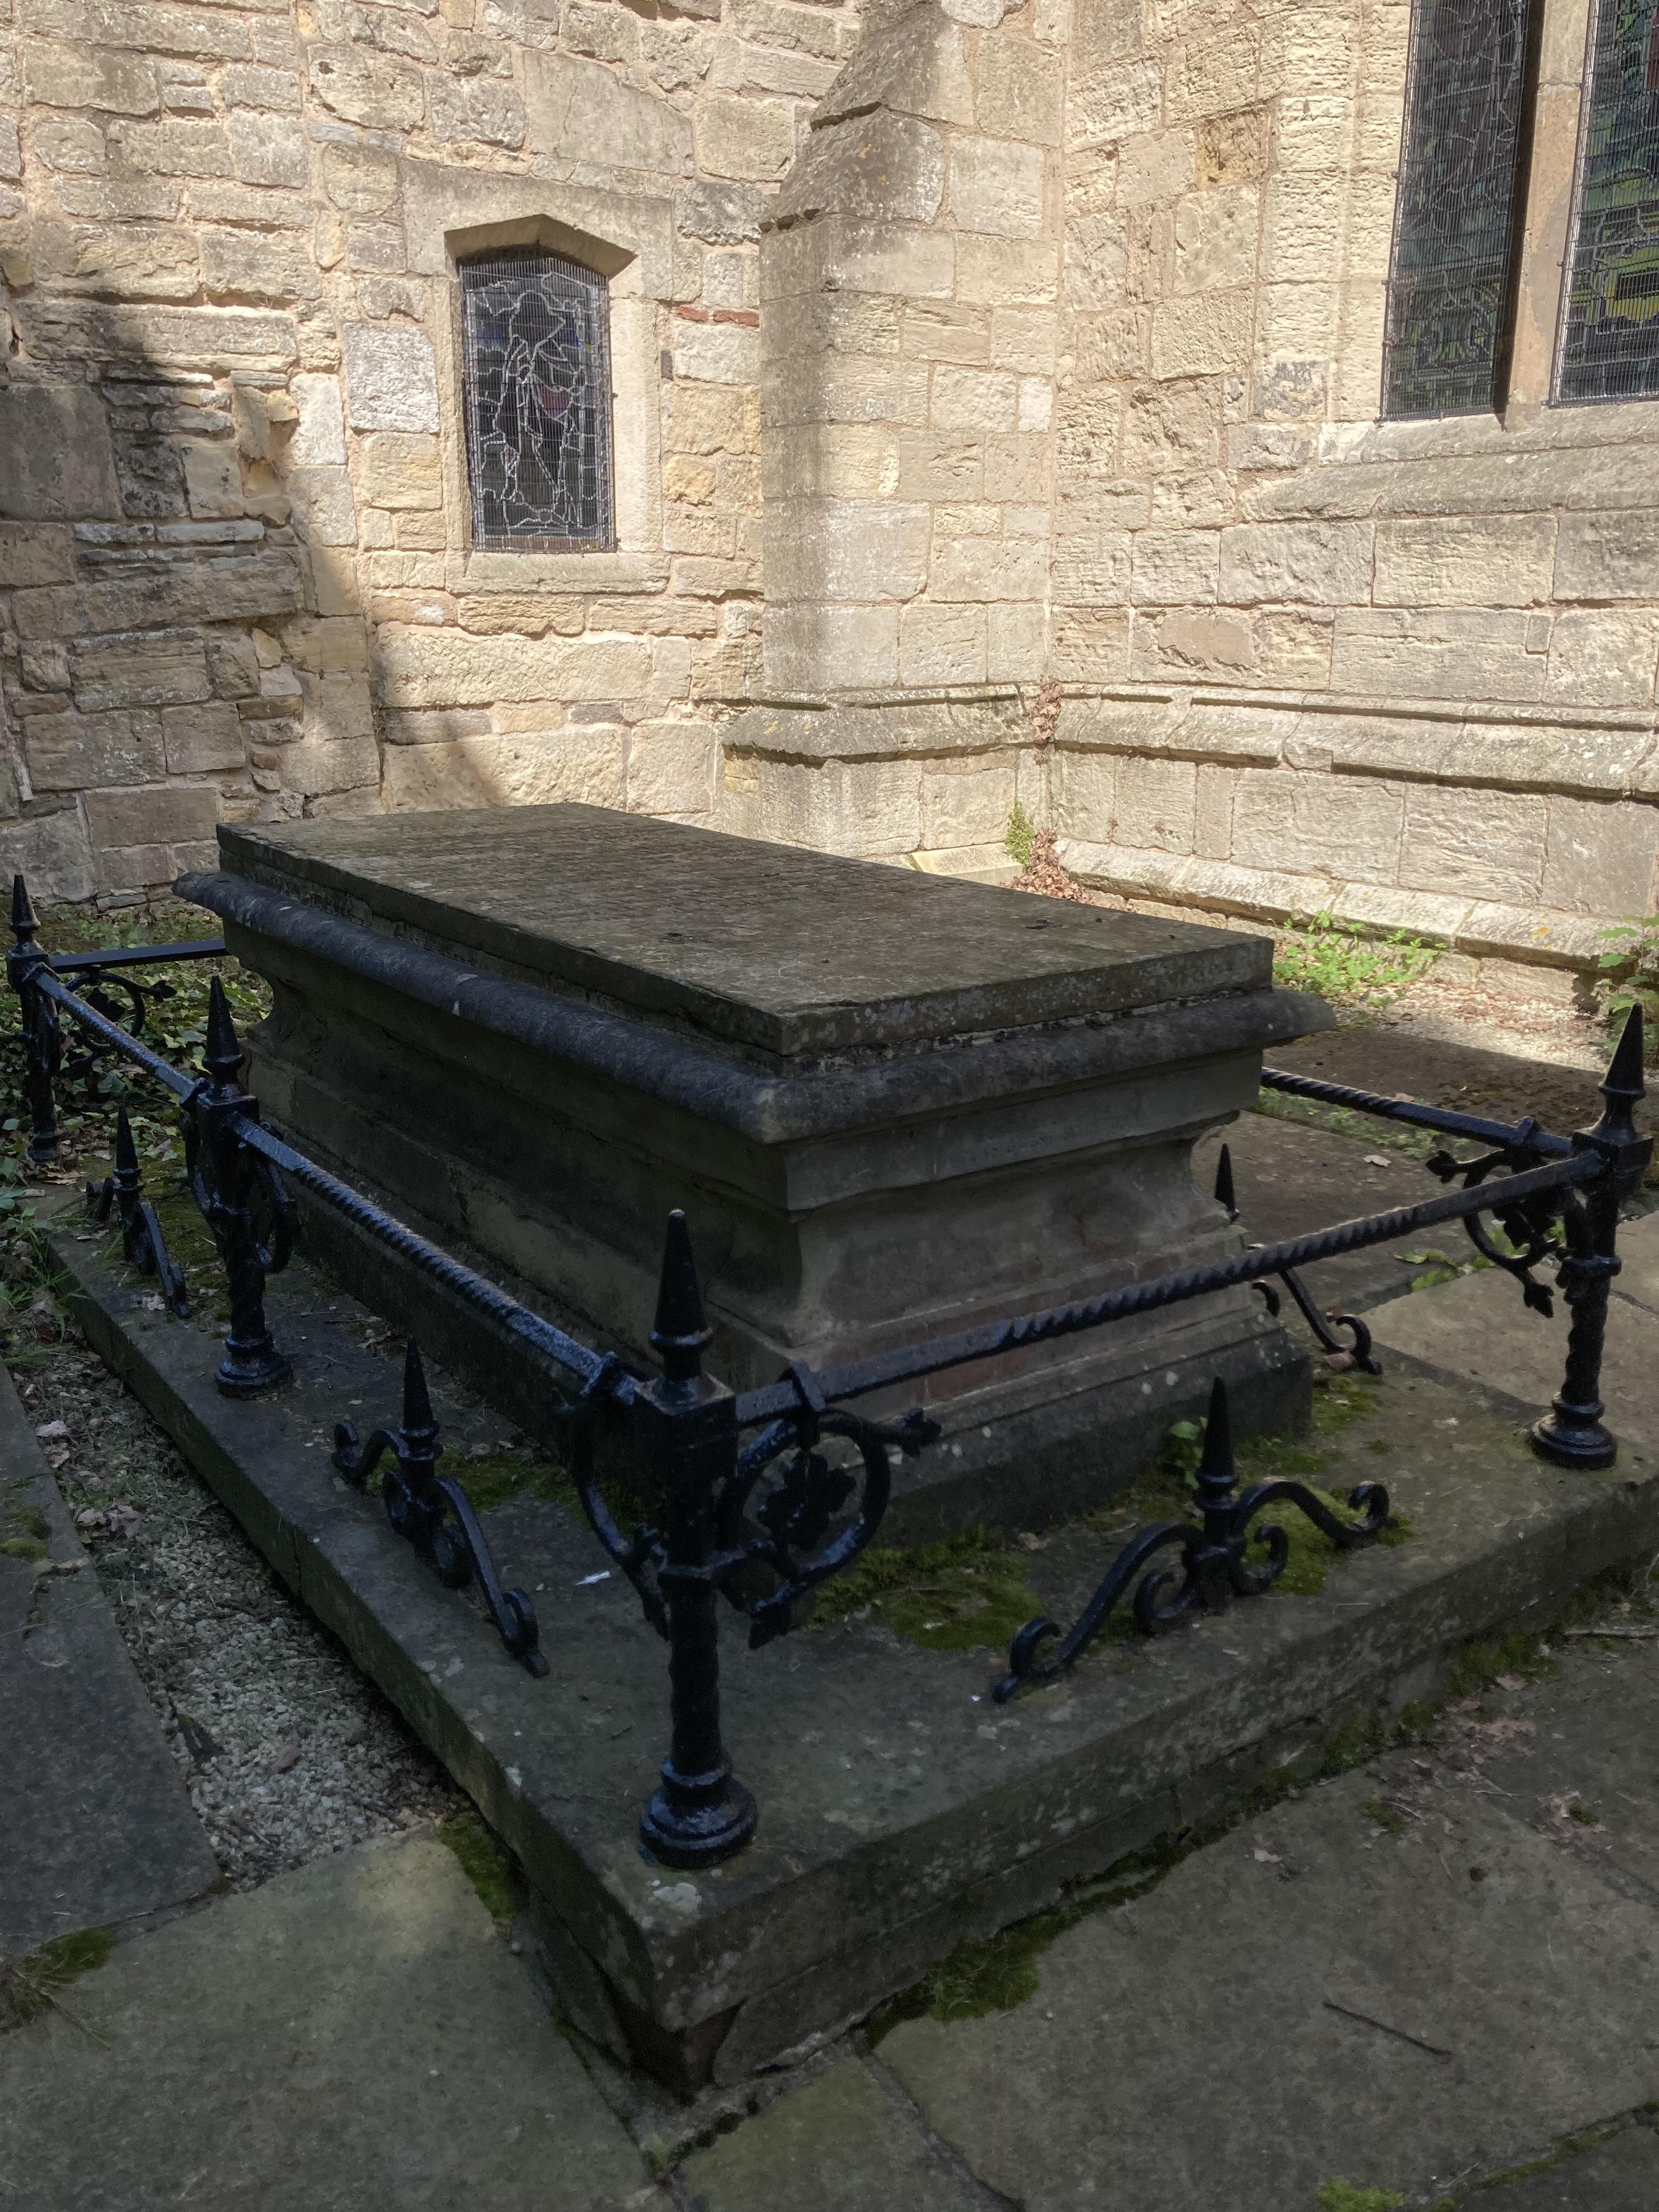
497,1478
34,1984
1343,2196
484,1861
967,1592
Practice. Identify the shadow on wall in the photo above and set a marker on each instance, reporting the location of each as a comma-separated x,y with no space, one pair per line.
183,641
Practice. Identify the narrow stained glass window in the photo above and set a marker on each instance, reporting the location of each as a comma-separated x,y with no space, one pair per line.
1455,217
1610,332
536,361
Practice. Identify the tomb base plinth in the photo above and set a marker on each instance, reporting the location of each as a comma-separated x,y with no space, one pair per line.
891,1107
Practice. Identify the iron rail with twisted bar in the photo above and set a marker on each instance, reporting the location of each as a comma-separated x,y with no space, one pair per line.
684,1426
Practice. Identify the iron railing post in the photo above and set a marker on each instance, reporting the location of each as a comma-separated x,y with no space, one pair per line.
1571,1433
686,1435
230,1182
43,1044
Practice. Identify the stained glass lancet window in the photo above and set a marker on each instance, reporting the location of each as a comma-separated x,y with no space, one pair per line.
536,365
1610,329
1455,216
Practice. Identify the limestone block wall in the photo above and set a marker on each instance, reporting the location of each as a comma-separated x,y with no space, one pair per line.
1405,671
236,576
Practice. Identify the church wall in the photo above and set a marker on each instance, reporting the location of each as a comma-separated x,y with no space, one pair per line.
235,570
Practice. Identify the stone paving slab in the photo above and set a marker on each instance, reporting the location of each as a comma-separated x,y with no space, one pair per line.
96,1825
1477,1328
354,2035
1619,2176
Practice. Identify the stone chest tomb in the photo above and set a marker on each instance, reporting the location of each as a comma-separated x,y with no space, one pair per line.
890,1106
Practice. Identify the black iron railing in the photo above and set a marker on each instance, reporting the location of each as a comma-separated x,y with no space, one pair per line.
725,1506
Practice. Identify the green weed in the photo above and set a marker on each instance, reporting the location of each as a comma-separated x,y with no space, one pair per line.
1343,964
1017,842
1343,2196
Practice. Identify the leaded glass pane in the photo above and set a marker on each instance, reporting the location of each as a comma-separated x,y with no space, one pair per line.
1455,218
1610,333
536,350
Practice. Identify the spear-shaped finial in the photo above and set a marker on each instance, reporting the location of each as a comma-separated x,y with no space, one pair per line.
1216,1473
1226,1197
679,1332
22,914
1623,1086
223,1055
418,1424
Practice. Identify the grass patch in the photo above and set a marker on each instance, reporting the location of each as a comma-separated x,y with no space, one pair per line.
35,1983
1400,1137
1343,2196
1344,964
965,1593
484,1861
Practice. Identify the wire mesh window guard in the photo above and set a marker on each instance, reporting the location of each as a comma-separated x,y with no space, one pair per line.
1450,279
536,367
1610,325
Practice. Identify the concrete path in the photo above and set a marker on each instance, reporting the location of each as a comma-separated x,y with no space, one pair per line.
95,1827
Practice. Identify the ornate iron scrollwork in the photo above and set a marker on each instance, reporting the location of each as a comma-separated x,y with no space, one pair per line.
1529,1222
142,1245
434,1514
1214,1567
1358,1349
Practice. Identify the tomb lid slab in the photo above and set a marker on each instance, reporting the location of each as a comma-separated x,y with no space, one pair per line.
776,948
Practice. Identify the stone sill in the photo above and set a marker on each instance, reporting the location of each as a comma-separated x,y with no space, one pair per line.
1528,934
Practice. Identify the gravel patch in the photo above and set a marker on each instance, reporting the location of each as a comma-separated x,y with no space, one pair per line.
288,1753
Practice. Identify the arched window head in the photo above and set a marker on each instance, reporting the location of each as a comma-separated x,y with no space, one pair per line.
536,371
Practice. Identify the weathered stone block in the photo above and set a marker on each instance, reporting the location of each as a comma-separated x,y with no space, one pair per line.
918,66
1090,645
528,770
989,568
202,740
479,110
1466,560
1437,656
809,647
1175,567
942,644
972,403
34,553
323,502
847,550
402,469
75,76
576,108
232,666
1153,804
446,668
751,140
213,480
1603,656
883,164
140,669
237,263
378,89
1114,104
1613,556
81,752
670,769
1600,858
997,185
1007,272
1347,827
1474,844
716,353
161,814
361,180
1203,335
1317,564
55,453
391,380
